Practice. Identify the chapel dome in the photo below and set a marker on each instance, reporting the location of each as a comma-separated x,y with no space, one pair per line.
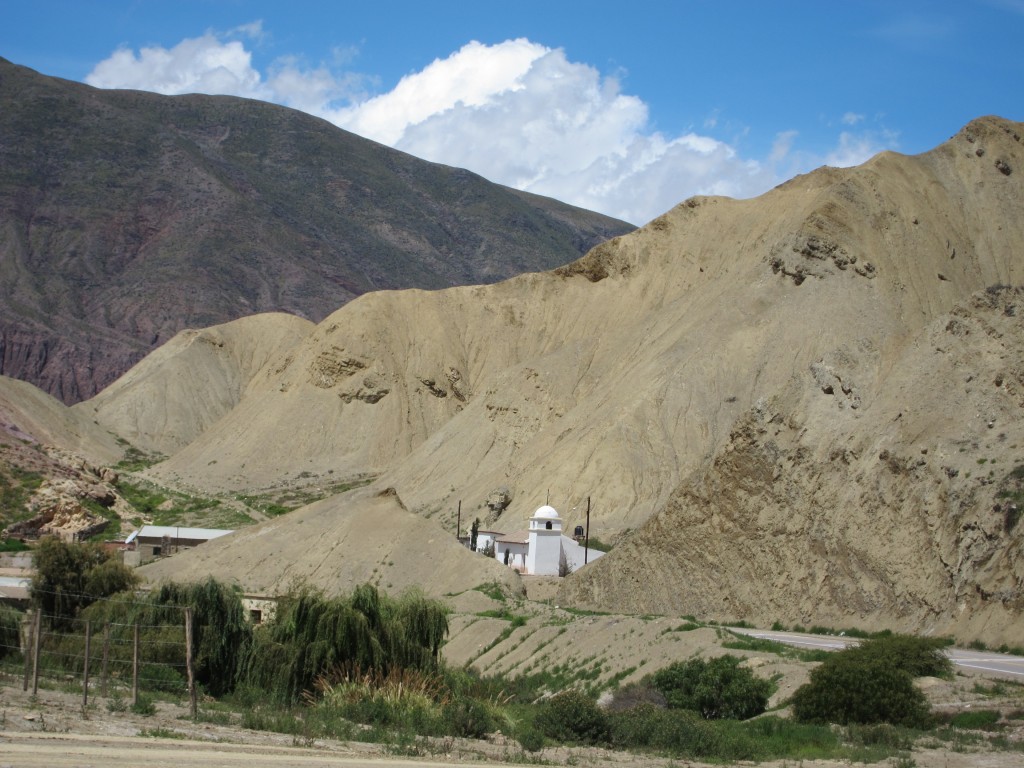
547,512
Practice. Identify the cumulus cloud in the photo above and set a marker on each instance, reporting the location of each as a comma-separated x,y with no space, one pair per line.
197,65
517,112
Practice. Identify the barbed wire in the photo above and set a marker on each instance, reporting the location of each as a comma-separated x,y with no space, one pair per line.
117,597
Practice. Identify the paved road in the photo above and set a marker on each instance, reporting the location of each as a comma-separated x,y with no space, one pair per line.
986,663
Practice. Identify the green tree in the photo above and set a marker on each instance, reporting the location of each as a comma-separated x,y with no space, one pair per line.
872,683
474,532
312,636
718,688
221,632
70,576
575,717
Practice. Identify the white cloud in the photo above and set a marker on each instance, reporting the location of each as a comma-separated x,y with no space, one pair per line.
852,118
854,149
196,65
517,113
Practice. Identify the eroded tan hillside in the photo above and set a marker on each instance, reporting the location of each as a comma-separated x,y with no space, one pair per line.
756,385
189,383
336,545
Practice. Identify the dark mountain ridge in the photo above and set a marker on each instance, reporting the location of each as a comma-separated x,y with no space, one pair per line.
127,216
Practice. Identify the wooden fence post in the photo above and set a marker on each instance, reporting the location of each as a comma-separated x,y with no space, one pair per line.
37,637
135,666
85,671
189,665
106,655
30,625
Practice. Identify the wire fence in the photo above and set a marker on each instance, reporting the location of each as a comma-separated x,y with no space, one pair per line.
105,657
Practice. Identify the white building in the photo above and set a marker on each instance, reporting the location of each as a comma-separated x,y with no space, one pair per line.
541,549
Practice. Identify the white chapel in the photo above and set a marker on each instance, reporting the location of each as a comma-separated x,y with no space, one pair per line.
540,550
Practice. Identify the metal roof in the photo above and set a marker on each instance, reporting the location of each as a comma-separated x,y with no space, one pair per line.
180,532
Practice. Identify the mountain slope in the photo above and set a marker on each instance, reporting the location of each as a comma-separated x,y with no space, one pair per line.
192,381
750,392
128,216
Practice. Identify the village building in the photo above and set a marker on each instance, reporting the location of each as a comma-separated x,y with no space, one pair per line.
152,541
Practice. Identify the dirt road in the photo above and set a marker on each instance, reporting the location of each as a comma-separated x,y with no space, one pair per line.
42,750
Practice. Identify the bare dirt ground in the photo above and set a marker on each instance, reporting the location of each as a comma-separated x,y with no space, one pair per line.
52,729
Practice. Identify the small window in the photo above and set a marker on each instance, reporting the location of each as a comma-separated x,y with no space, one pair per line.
548,525
256,616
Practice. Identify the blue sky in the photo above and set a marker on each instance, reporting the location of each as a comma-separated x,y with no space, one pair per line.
623,108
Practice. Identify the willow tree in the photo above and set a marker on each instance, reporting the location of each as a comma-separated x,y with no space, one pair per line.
312,635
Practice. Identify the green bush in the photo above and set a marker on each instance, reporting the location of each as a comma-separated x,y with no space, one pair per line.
573,716
643,726
718,688
530,739
468,718
853,689
10,631
144,705
679,732
873,683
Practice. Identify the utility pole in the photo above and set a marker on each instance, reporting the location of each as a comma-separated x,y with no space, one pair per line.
586,536
458,521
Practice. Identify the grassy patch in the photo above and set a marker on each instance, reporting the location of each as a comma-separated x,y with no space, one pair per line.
762,645
161,733
135,460
16,488
282,502
977,719
493,590
166,507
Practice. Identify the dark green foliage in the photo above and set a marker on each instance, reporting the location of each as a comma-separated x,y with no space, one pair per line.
717,688
71,576
680,732
573,716
530,738
10,637
872,683
919,656
13,545
468,718
221,633
313,635
110,577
